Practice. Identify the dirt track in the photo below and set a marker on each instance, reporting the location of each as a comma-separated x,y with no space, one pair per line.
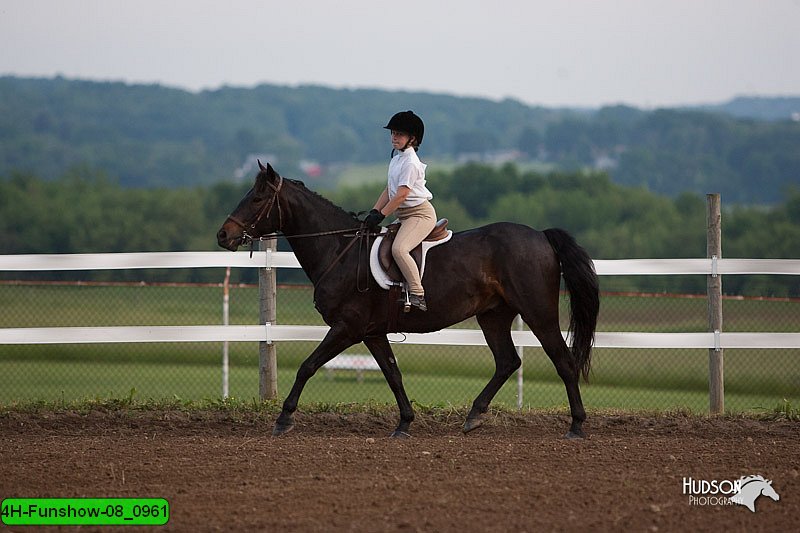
223,472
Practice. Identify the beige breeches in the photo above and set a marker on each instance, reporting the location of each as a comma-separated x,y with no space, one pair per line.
416,223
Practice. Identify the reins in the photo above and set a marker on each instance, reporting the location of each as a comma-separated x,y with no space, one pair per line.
360,236
303,235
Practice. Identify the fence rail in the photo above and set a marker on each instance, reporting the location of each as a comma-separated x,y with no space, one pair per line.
271,333
269,259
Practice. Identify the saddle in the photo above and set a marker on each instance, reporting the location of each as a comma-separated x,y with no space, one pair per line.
382,263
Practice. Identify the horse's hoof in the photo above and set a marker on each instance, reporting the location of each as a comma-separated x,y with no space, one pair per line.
397,434
575,435
281,429
472,423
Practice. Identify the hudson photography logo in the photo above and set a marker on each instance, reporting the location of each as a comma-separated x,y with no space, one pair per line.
743,491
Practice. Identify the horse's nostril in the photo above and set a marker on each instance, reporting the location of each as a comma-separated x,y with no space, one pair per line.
221,235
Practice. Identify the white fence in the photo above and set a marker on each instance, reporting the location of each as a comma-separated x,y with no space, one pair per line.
274,333
271,333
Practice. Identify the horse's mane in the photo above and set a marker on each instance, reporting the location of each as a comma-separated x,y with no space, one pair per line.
327,203
745,480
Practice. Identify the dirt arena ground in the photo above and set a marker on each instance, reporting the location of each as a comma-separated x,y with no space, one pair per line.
222,471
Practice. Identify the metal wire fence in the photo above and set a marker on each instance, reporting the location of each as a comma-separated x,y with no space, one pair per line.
630,379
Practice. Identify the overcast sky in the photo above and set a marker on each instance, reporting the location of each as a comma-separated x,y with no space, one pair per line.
558,52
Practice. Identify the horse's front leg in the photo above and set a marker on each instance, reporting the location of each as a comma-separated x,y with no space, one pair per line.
335,342
380,349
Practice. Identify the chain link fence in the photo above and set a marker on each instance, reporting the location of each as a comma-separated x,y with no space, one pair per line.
629,379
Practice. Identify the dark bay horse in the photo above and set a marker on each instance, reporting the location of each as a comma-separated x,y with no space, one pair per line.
494,273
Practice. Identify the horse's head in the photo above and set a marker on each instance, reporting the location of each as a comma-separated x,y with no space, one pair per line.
750,488
257,214
769,491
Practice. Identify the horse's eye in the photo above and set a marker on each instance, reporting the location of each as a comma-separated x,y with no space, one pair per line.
258,199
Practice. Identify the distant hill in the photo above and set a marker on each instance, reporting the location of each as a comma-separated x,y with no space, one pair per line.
760,108
150,135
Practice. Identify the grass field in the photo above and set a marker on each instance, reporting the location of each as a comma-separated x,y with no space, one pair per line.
433,375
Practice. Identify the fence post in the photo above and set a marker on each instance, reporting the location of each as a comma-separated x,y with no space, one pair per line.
716,383
267,358
520,352
226,306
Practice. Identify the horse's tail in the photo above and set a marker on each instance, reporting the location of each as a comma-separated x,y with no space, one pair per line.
580,279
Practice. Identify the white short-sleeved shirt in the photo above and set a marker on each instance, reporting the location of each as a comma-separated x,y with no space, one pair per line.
405,168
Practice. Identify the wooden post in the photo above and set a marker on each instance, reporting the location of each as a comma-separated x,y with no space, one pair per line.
518,324
267,357
716,383
226,298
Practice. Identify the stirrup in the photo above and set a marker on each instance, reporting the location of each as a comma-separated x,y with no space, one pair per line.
416,301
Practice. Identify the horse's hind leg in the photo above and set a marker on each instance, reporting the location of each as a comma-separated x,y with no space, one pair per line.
561,356
380,349
496,326
334,343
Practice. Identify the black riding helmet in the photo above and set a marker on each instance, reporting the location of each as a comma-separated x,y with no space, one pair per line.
407,122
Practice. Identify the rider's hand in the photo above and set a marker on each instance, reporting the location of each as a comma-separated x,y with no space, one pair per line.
374,218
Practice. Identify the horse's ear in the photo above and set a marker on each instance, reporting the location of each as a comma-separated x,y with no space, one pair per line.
268,169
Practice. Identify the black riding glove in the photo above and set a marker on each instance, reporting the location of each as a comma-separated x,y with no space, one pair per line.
374,218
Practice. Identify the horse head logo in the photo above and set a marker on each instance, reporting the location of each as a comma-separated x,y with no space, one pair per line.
750,488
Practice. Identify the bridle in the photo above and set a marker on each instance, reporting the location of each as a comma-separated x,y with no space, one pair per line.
247,238
265,211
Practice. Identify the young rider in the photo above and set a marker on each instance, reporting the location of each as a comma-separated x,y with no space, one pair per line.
407,196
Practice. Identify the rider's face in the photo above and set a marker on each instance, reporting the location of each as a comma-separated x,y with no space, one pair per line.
400,140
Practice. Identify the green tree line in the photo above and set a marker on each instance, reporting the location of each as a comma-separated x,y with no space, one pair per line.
154,136
84,211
